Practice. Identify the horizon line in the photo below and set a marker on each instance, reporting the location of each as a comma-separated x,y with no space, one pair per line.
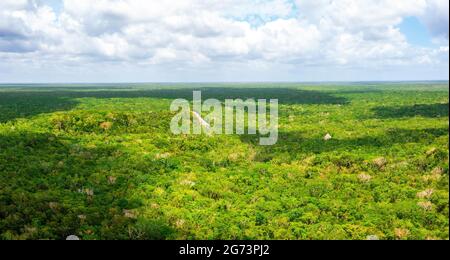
225,82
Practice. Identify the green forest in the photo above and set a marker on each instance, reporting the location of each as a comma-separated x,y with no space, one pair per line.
100,162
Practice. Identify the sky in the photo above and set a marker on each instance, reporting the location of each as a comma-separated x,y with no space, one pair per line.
62,41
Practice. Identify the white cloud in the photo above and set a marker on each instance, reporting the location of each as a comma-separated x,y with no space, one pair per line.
436,17
195,34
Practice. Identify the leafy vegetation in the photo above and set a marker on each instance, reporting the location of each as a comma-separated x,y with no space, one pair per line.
100,162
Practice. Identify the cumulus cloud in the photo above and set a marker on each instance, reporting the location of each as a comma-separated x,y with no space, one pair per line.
199,33
436,17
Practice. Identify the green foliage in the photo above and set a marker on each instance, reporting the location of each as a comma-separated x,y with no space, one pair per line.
100,162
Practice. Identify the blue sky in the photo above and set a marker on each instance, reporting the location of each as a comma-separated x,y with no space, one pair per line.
57,5
416,32
245,40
